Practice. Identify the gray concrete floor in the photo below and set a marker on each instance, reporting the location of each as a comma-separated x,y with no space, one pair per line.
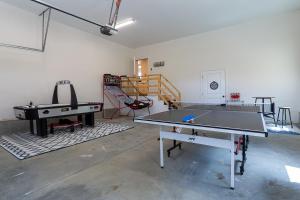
126,166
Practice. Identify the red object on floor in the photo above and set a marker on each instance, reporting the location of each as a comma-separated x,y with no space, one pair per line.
72,126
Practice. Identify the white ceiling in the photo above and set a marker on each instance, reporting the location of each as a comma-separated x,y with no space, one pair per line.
163,20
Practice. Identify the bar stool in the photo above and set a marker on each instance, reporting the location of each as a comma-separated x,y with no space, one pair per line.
283,115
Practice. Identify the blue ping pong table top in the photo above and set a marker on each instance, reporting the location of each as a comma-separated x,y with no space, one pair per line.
238,118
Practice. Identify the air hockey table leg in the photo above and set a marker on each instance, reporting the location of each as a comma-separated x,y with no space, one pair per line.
89,119
31,126
42,128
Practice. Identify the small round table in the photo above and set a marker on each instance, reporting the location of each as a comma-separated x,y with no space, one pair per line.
263,100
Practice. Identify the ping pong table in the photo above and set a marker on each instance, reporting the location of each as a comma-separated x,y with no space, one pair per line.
237,121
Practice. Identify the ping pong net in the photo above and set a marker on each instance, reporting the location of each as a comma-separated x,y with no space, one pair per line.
219,107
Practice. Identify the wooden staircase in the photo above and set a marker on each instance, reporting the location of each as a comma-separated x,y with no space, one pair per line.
152,85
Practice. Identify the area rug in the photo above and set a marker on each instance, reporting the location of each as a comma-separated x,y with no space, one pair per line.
26,145
284,130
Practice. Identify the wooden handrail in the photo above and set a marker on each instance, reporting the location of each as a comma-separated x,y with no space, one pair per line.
171,84
142,86
141,79
169,90
153,84
163,98
137,91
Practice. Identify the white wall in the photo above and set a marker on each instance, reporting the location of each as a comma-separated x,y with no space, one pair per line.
261,58
70,54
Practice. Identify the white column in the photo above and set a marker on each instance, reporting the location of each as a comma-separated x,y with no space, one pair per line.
161,149
232,162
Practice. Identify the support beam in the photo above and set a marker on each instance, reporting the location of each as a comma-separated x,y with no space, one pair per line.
45,28
70,14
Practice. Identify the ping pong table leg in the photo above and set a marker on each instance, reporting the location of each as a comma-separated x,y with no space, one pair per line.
244,158
161,150
232,162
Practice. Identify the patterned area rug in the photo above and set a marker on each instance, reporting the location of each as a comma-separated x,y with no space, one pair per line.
272,129
26,145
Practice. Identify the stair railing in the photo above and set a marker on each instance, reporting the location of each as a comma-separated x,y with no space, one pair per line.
152,85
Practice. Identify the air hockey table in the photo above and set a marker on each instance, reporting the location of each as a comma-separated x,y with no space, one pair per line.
41,113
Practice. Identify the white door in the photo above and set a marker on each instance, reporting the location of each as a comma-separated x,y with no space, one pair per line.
213,87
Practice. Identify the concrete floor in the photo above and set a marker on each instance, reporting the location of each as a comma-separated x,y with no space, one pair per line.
126,166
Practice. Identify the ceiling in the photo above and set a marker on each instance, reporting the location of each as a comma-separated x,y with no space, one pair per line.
163,20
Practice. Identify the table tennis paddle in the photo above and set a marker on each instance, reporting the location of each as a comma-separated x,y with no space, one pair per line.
188,118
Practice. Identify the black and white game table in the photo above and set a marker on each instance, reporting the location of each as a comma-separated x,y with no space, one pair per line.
41,113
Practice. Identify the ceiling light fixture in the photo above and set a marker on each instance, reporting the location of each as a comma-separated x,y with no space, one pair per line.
125,22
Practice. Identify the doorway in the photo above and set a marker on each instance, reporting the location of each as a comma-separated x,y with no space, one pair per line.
141,67
213,87
141,70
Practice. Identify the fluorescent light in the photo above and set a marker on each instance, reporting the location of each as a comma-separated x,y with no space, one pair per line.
125,22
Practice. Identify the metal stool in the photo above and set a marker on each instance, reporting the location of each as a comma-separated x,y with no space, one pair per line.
283,115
